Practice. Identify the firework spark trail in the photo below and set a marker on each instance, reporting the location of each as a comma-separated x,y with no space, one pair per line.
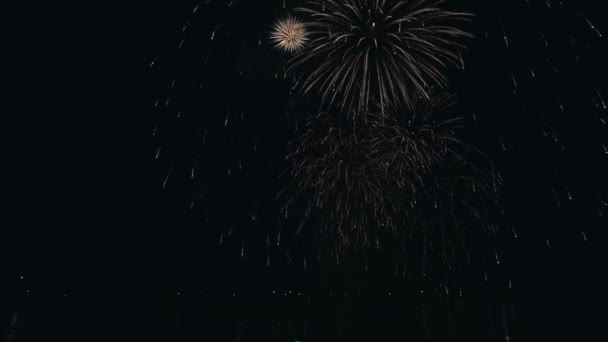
330,162
420,139
551,45
370,51
369,177
452,198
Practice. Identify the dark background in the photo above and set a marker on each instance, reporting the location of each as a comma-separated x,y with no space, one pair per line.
108,246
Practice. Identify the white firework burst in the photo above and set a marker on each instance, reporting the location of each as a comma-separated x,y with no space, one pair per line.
289,34
366,52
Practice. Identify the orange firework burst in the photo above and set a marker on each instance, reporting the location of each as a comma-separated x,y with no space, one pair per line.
289,34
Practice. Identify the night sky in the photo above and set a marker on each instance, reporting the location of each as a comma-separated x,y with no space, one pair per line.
178,232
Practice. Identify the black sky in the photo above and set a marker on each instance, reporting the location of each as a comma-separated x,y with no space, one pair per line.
105,237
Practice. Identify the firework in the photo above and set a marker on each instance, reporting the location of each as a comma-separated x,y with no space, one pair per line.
461,195
362,178
330,171
453,191
289,34
376,51
419,139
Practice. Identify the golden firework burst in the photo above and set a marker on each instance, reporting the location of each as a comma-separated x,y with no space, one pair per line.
289,34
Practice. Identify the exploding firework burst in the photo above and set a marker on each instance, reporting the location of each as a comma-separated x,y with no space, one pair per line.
421,139
376,51
359,179
289,34
333,177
